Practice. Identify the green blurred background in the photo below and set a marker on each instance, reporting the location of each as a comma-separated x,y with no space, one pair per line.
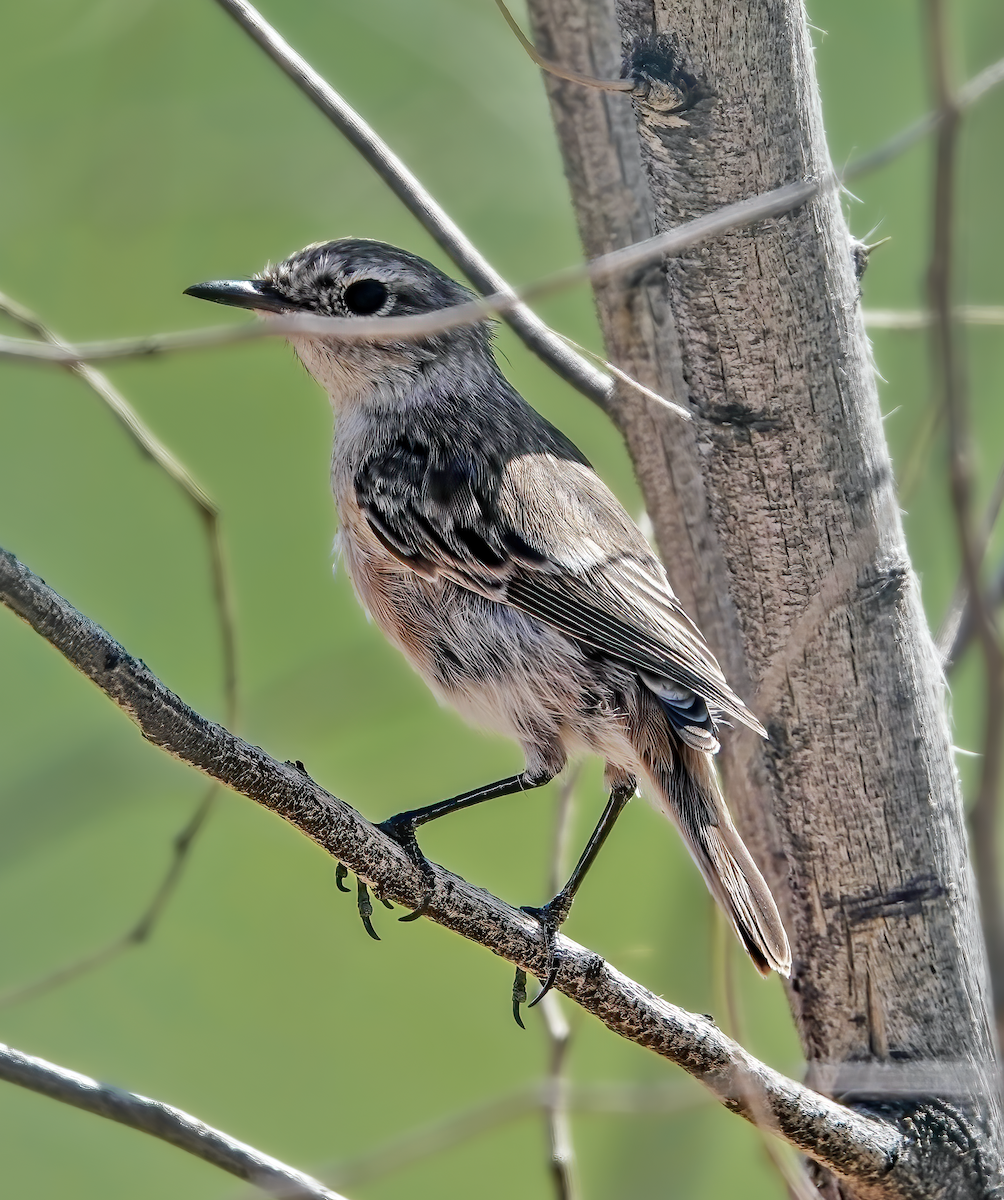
146,145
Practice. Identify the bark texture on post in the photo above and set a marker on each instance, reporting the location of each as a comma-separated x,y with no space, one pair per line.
776,515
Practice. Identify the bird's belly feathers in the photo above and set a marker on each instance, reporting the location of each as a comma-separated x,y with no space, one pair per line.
501,669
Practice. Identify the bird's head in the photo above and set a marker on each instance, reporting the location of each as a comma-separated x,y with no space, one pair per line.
355,277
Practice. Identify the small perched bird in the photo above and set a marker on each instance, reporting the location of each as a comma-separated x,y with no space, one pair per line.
482,543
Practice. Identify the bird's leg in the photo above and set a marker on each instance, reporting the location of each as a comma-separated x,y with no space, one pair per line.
402,826
553,914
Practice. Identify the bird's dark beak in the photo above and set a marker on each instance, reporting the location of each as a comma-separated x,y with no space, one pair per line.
242,293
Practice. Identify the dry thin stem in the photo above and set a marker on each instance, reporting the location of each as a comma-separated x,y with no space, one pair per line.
437,1137
629,381
426,1141
556,69
911,319
162,1121
142,928
561,1149
729,217
965,97
570,361
556,1116
983,814
144,437
857,1146
994,599
959,611
461,250
792,1172
149,444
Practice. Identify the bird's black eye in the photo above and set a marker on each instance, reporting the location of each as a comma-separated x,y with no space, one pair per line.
365,296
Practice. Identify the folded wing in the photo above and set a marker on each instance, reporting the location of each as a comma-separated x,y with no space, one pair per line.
542,533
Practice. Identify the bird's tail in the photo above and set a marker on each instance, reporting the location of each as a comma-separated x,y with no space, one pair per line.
686,784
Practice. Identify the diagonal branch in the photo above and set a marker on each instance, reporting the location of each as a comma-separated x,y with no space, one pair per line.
163,1121
966,629
912,319
438,1136
525,324
775,203
967,95
873,1152
148,443
141,928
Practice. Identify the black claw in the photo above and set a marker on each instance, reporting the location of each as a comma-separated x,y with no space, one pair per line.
552,975
550,918
416,913
365,909
518,995
362,899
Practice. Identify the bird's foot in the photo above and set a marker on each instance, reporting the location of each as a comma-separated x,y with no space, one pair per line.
550,917
402,829
363,902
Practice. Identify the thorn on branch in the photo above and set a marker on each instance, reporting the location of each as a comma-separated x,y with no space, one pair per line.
861,254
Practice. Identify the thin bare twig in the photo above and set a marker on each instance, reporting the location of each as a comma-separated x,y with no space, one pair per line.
556,1117
965,97
416,1145
791,1172
434,219
993,599
162,1121
628,380
140,931
556,69
561,1149
728,218
852,1144
960,611
434,1138
911,319
150,445
948,366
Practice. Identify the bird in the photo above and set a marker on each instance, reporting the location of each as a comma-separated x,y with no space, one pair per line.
479,539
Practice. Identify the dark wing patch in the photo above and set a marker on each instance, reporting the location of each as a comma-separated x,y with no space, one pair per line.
435,508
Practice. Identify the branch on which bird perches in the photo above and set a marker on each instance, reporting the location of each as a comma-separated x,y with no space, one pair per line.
859,1147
